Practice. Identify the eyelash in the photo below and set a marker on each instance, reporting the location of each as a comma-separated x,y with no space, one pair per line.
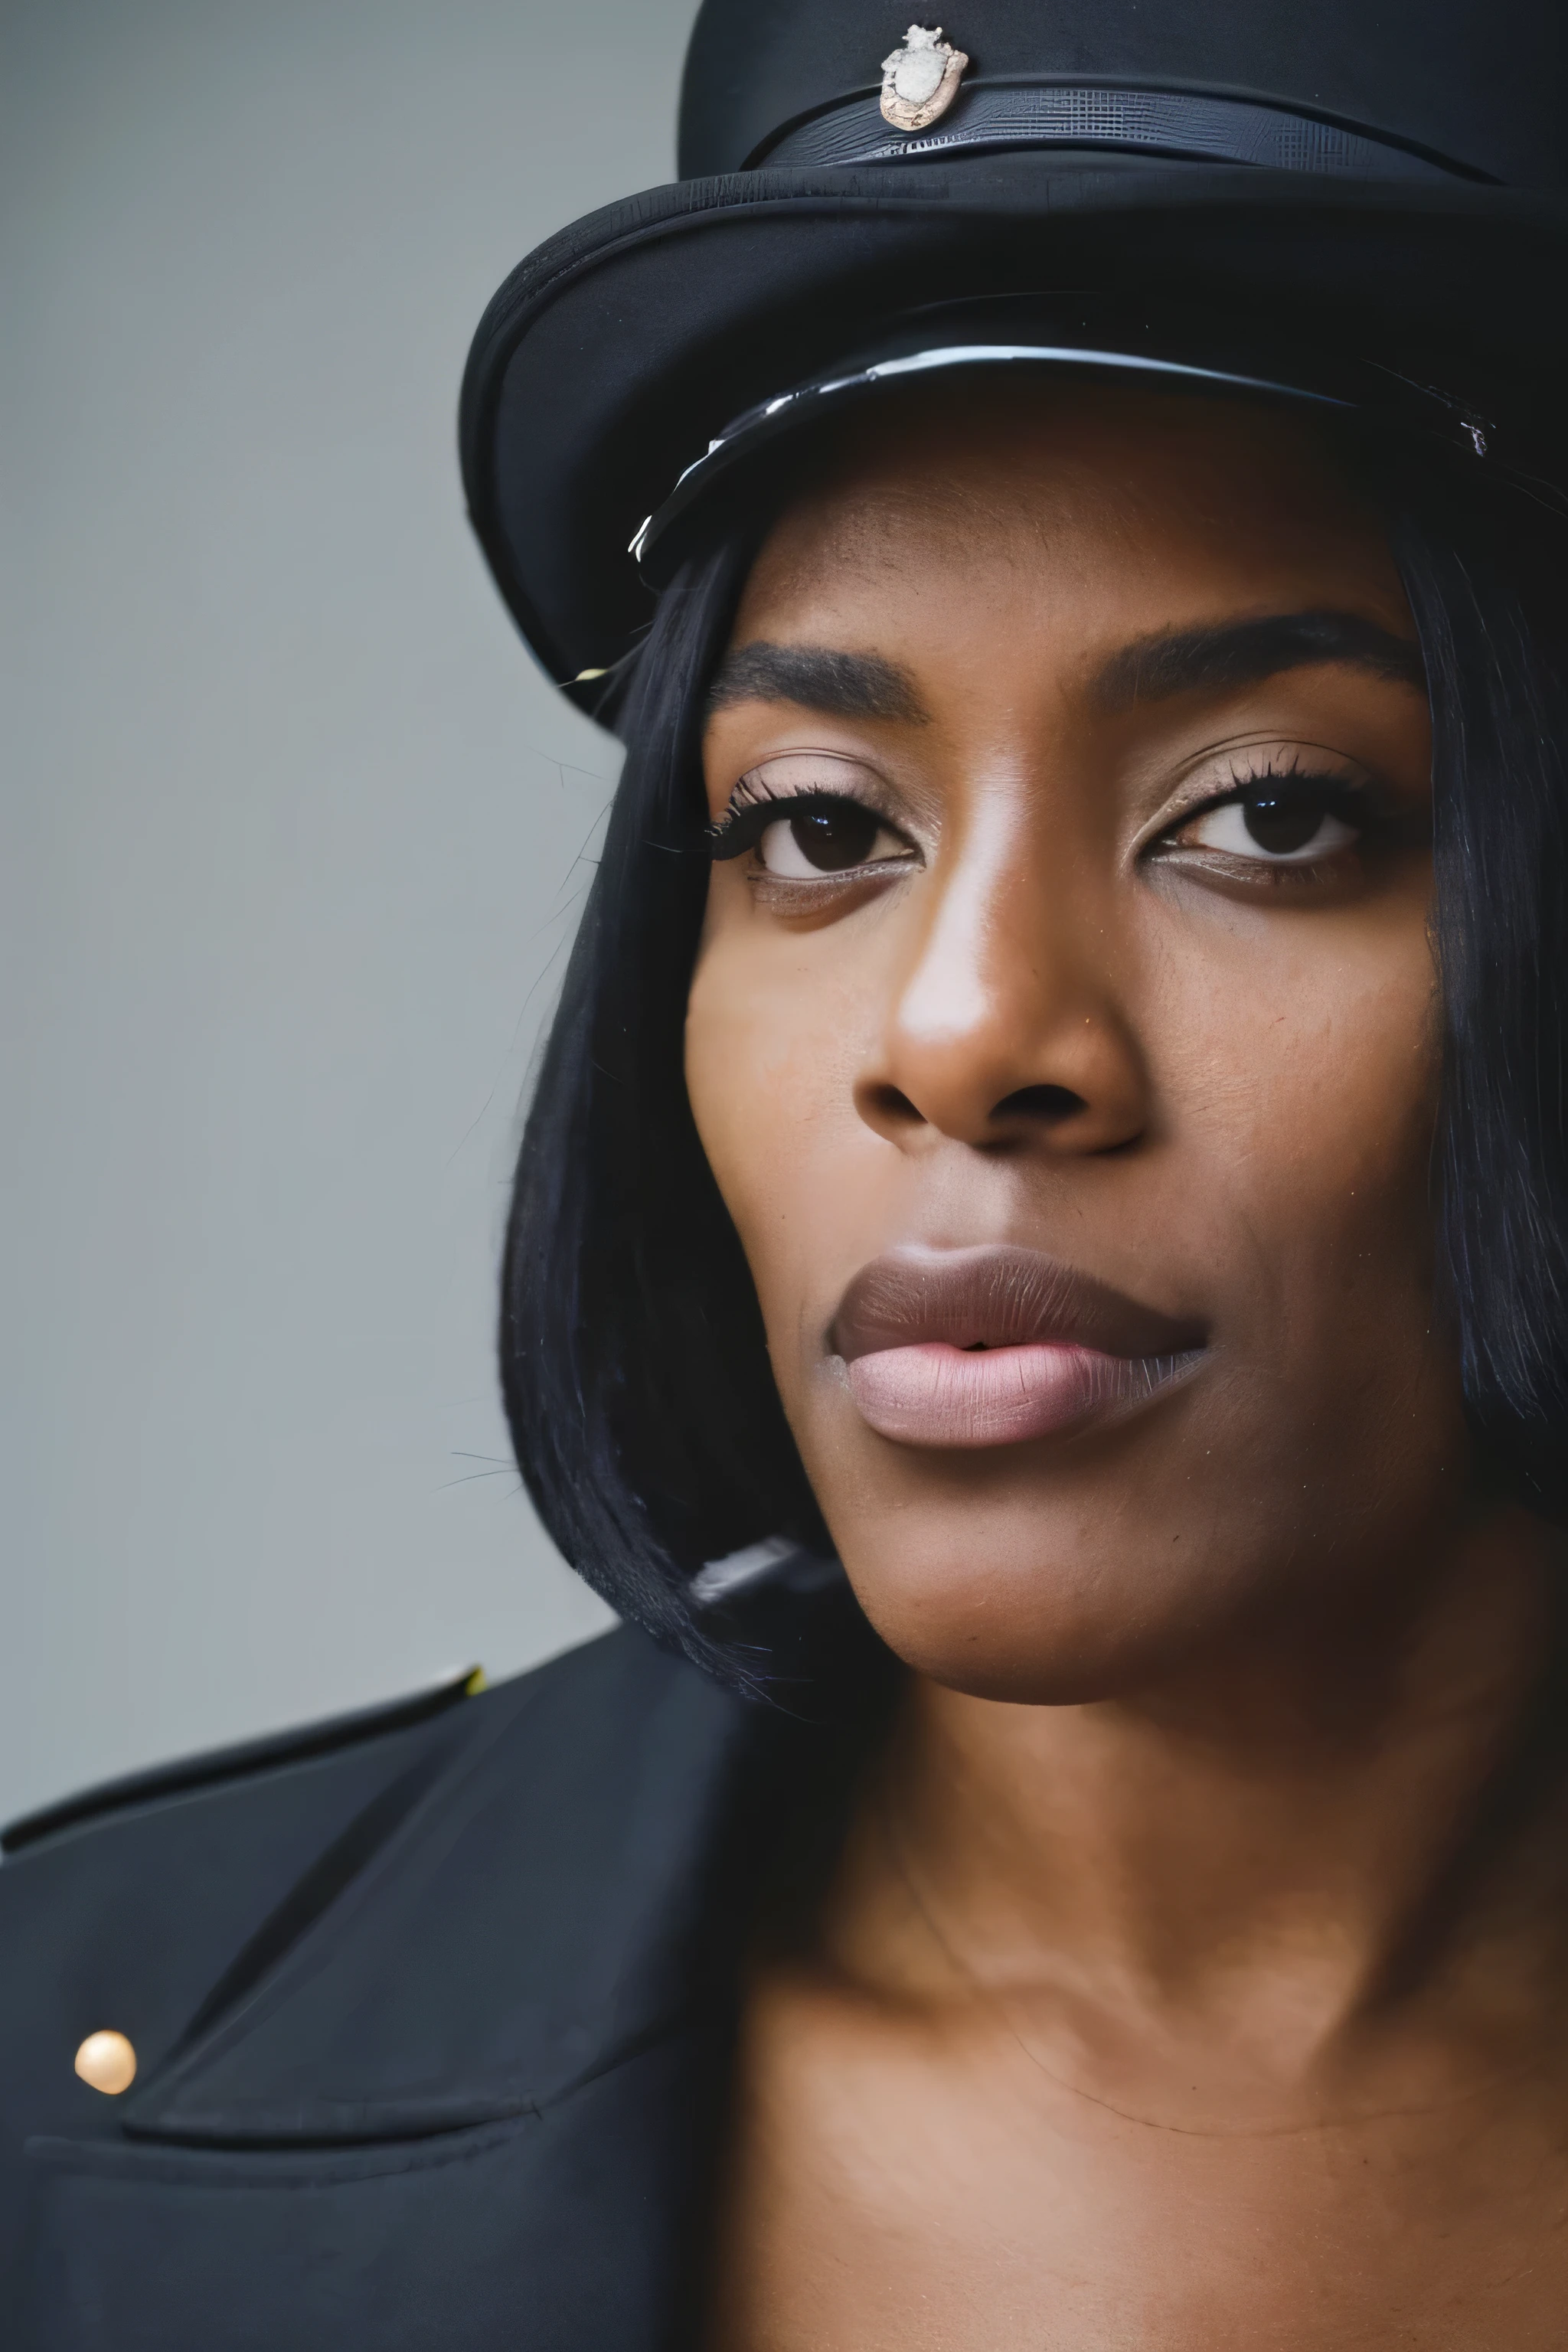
1338,795
754,807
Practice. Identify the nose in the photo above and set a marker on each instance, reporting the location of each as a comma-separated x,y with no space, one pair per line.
1004,1026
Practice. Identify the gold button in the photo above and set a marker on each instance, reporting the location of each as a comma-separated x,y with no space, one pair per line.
107,2063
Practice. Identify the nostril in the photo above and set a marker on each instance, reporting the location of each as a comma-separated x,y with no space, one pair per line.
893,1109
1046,1105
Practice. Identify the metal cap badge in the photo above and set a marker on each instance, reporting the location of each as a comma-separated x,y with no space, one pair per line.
919,81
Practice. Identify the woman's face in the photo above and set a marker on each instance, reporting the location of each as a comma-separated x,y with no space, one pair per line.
1062,1031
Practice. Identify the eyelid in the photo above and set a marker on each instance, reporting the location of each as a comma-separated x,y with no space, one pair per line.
1232,771
762,793
784,775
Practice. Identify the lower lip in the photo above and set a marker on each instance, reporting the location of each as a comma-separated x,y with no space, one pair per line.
934,1394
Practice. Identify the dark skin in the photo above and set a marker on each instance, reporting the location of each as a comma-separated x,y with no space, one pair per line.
1189,1978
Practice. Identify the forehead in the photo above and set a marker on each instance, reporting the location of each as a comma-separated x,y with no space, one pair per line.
1027,487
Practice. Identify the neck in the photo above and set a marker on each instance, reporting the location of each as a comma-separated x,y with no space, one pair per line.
1313,1827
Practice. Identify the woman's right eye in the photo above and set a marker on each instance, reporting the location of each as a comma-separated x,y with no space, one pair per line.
830,836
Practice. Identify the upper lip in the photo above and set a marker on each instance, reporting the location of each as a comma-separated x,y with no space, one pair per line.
996,1295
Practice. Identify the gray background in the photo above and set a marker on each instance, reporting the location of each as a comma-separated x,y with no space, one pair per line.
295,836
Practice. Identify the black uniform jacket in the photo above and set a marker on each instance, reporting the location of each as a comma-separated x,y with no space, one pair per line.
431,2009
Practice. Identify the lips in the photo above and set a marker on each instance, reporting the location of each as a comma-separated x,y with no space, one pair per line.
998,1345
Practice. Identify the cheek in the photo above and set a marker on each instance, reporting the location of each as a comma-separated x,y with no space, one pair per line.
1304,1091
771,1046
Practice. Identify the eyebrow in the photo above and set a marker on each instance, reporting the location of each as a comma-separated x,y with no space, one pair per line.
1240,653
843,686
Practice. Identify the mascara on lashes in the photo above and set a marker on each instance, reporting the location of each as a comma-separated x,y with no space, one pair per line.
743,823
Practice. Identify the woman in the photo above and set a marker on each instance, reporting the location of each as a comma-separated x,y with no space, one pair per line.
1038,1275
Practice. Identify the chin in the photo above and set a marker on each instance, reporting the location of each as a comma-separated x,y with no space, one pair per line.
1046,1576
1030,1608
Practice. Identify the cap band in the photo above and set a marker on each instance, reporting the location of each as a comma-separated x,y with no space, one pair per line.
1149,121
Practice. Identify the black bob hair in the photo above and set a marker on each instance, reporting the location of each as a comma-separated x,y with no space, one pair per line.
633,1365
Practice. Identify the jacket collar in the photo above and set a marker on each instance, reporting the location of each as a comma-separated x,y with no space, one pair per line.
569,1887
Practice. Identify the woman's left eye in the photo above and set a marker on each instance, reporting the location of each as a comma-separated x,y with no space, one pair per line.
1271,828
827,838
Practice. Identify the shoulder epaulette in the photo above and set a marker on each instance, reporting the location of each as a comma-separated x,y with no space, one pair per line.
299,1746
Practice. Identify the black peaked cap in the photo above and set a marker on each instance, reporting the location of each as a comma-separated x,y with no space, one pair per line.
1389,180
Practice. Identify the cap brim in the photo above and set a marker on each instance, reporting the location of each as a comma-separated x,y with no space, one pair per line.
945,340
618,352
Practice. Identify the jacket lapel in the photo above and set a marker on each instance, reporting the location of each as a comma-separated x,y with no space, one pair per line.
474,2103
